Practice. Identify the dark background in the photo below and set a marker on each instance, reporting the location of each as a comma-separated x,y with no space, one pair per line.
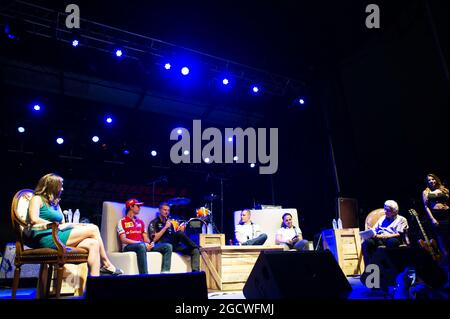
379,97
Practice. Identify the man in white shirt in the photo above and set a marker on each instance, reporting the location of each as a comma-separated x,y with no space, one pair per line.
390,231
247,232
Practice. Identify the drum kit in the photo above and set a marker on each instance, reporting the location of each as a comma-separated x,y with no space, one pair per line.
203,219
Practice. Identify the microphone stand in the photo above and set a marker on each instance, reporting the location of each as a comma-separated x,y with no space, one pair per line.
221,179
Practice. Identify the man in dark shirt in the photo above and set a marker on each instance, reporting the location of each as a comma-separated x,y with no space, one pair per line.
161,231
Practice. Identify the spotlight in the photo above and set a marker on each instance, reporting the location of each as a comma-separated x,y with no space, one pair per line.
95,139
225,81
186,152
255,89
119,53
185,70
59,140
252,165
235,158
153,153
126,152
37,107
207,160
180,131
109,120
301,101
230,139
167,66
20,129
75,43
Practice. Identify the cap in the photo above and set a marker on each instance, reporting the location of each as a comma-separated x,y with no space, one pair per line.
132,202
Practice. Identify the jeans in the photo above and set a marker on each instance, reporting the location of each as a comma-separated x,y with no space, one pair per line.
183,244
300,245
141,251
260,240
166,250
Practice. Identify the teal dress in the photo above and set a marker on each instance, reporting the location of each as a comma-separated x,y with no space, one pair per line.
43,238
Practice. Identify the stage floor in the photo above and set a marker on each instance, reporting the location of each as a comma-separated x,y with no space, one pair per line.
359,292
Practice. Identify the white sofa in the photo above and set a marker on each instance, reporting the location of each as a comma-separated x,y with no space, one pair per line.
127,261
269,220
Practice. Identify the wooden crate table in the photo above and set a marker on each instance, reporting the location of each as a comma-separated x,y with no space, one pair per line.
345,244
228,267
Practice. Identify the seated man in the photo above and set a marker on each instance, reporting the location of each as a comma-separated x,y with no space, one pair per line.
161,230
247,232
133,237
289,235
389,231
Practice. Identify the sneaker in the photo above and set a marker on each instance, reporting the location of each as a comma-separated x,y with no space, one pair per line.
115,272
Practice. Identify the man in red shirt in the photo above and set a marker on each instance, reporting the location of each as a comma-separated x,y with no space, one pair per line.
134,237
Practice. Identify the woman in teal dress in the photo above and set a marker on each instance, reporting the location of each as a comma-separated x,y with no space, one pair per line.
44,208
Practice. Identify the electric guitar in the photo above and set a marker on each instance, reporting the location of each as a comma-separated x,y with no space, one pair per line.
429,245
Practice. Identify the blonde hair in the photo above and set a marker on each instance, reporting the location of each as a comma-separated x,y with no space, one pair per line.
439,184
49,187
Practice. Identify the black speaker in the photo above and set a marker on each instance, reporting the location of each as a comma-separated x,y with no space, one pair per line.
393,261
190,286
296,274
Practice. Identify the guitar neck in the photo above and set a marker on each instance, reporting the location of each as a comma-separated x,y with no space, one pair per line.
424,234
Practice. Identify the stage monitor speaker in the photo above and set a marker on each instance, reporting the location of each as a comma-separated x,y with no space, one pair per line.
296,274
392,261
348,212
189,286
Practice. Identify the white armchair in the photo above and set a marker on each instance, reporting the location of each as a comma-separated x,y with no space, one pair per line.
127,261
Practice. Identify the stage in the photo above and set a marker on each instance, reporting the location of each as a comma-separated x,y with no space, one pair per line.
359,292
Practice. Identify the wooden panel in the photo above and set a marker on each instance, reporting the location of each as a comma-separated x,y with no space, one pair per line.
228,267
212,240
345,244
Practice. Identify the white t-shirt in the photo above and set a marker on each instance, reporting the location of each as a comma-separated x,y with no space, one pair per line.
398,226
246,232
288,233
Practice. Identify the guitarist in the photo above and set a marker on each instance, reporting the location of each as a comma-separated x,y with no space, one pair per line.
436,200
390,231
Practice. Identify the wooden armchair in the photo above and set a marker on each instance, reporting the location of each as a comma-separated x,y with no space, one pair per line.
46,257
373,217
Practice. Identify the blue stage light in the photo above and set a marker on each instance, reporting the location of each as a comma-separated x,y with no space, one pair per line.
126,152
255,89
95,139
109,120
230,139
167,66
301,101
207,160
225,81
185,70
252,165
179,131
119,53
235,158
21,129
153,153
37,107
75,43
186,152
60,140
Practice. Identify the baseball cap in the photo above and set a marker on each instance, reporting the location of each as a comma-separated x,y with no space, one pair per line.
132,202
